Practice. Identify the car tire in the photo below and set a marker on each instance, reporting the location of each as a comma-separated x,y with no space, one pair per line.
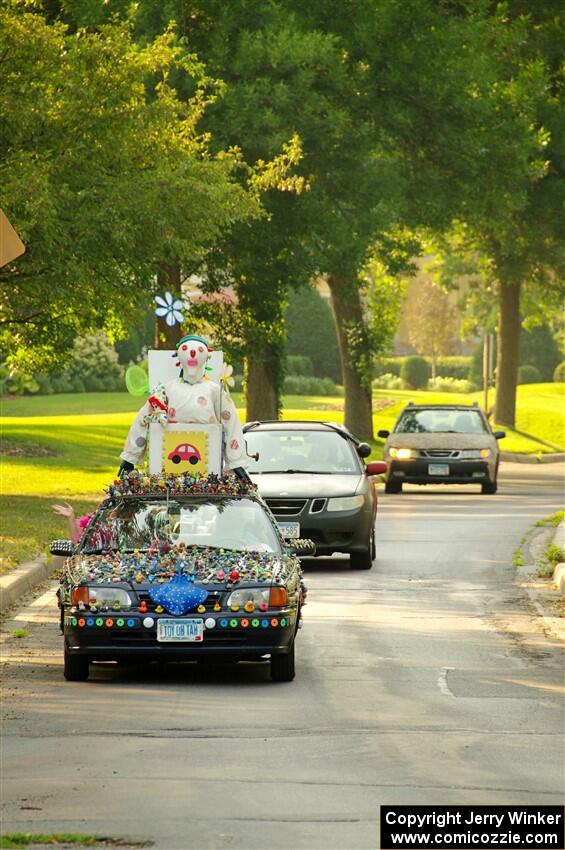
75,667
489,488
175,458
393,487
364,560
282,666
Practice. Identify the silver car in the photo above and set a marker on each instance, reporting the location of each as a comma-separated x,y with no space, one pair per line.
442,444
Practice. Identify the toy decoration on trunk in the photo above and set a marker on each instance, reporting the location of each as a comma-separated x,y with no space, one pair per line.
189,399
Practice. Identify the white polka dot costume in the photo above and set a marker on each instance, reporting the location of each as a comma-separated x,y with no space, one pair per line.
190,398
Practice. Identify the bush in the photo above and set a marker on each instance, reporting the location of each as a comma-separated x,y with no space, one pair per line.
539,348
15,382
388,381
528,374
389,366
238,384
453,367
415,373
77,384
299,364
95,361
311,332
451,385
559,374
302,385
45,385
61,383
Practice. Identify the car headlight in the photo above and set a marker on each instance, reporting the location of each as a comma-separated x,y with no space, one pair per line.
475,454
345,503
102,597
242,595
403,454
250,598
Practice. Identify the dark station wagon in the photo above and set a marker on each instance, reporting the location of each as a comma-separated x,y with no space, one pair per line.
178,569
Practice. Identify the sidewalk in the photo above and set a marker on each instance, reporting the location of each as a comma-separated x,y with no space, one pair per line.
511,457
15,584
546,594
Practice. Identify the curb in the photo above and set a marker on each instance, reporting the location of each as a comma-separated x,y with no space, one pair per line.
559,578
20,581
512,457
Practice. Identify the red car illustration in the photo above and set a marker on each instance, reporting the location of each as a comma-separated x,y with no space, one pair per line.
185,451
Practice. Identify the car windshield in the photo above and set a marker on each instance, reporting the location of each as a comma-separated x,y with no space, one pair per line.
322,452
240,524
438,421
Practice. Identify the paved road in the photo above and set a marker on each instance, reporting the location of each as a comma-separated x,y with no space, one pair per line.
427,680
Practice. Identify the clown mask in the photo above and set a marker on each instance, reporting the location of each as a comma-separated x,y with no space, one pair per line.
192,354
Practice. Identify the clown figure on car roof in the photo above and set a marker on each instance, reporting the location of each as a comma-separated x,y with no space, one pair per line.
190,398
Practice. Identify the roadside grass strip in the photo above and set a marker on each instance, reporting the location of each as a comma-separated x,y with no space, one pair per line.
15,840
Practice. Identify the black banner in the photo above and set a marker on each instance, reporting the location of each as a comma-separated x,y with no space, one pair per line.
475,827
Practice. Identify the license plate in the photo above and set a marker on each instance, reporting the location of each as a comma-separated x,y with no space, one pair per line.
289,530
438,469
187,631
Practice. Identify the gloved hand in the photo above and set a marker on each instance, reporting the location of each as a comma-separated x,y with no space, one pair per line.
125,466
241,473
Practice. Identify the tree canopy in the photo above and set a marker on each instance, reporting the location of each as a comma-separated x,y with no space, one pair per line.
103,173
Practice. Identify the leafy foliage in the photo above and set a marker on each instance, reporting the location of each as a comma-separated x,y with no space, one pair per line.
103,174
415,373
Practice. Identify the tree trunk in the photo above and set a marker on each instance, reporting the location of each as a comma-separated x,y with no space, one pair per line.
260,391
507,354
166,337
348,313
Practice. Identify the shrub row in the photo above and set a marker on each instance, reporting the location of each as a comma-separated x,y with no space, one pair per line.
446,367
301,385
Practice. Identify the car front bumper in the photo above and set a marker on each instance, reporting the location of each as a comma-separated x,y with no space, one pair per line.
460,471
267,633
335,531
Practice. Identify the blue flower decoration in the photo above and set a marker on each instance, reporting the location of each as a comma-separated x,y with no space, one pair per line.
178,596
170,309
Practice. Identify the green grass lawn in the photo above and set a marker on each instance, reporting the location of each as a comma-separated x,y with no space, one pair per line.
66,448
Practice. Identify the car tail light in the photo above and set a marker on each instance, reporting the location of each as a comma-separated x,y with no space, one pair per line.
278,597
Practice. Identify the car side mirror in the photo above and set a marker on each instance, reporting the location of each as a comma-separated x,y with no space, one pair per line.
384,434
63,548
499,435
364,449
376,467
302,547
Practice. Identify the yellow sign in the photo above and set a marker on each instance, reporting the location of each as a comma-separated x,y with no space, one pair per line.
11,246
185,451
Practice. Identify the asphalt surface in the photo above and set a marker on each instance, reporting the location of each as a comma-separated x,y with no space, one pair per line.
427,680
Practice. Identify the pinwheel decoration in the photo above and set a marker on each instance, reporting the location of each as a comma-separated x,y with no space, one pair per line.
227,378
170,308
178,596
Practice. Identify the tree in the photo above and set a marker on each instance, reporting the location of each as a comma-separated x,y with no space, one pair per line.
311,332
431,323
104,174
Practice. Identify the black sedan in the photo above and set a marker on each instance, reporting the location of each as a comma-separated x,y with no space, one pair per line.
312,476
180,569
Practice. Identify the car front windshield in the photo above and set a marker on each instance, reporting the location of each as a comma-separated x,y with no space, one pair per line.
438,421
322,452
240,524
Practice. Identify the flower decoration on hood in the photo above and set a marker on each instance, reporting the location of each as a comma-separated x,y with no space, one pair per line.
170,308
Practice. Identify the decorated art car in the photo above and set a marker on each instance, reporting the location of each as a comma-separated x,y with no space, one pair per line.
177,568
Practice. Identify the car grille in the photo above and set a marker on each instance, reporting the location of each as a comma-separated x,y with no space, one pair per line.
286,507
209,602
451,454
317,506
